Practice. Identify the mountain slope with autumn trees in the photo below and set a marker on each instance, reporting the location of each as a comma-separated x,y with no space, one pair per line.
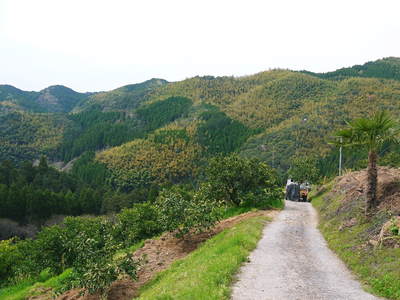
274,115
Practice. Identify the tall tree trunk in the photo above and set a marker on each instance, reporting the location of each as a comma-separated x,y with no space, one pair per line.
372,172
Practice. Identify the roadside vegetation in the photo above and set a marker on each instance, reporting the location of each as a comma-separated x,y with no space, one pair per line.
360,211
369,246
207,273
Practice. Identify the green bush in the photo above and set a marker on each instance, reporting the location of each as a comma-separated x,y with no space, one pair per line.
137,223
90,248
95,268
304,169
238,180
182,214
7,258
88,245
49,249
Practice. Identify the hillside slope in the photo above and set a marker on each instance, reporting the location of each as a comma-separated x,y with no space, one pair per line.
125,98
291,114
369,247
53,99
388,68
273,115
27,136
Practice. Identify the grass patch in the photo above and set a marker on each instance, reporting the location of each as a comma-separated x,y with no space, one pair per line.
231,211
27,288
18,291
377,269
207,272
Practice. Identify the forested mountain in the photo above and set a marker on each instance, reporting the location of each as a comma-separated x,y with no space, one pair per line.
55,98
162,129
58,98
26,136
124,98
388,68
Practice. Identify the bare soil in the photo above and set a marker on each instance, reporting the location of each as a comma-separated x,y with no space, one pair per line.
353,185
158,254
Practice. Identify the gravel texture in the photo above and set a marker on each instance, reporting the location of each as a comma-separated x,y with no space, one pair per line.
292,261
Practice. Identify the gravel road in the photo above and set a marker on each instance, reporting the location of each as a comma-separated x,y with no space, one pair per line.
292,261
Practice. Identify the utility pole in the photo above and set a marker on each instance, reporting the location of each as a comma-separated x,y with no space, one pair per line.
273,156
340,157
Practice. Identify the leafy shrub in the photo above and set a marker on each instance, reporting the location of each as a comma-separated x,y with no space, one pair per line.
88,245
49,249
235,180
304,169
137,223
7,258
90,249
182,213
394,228
95,267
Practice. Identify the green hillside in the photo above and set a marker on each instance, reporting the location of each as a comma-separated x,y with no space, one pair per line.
27,136
124,98
18,98
293,113
53,99
388,68
58,98
273,115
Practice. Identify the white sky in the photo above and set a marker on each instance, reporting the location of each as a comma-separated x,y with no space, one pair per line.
92,45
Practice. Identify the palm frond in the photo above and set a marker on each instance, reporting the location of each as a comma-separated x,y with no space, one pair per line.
372,132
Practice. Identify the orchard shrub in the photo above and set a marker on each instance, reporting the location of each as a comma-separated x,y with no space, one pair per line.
238,180
7,258
90,249
182,214
137,223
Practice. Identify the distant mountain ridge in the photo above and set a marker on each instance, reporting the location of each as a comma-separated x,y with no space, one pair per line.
388,68
123,98
56,98
272,115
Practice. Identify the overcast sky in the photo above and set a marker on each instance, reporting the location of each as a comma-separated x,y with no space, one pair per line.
92,45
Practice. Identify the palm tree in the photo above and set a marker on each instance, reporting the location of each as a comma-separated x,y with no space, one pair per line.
370,133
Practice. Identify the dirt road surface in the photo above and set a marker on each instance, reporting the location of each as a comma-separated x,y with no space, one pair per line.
292,261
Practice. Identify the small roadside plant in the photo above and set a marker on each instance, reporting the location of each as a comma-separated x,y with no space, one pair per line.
394,229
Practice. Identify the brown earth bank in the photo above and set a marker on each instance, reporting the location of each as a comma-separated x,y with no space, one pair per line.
157,255
353,185
351,189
